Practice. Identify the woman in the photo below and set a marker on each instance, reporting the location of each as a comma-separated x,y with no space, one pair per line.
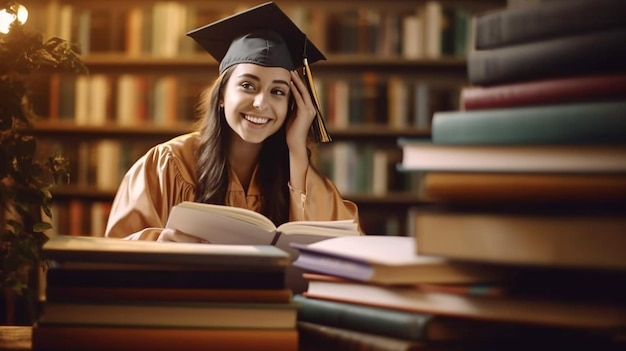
251,148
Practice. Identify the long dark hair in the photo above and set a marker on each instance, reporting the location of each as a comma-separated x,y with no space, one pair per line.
212,172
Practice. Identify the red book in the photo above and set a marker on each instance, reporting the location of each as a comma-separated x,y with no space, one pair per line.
69,338
544,92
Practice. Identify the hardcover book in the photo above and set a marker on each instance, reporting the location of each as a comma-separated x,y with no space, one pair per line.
540,311
80,338
528,188
168,314
588,53
404,325
547,19
99,249
579,237
544,92
232,225
577,123
535,158
386,260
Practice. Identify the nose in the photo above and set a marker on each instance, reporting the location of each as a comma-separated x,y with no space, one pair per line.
259,101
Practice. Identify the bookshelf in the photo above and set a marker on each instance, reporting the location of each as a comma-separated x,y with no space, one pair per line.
378,84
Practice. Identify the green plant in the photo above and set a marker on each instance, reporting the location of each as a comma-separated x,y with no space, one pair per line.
25,180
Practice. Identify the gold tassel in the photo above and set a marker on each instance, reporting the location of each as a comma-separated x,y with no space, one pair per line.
319,126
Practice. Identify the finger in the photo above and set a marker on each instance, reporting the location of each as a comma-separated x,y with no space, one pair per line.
301,95
302,89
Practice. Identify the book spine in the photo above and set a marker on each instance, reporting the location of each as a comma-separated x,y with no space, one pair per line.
601,122
544,92
411,326
590,53
557,18
321,337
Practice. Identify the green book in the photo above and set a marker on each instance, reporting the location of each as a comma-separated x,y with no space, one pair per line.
404,325
582,123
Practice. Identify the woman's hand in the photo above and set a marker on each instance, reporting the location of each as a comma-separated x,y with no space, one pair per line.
299,124
173,235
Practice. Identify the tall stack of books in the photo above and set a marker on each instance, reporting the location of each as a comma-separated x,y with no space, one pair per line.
531,173
376,293
112,294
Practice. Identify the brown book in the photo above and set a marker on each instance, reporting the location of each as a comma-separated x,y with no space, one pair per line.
79,338
542,236
462,187
170,314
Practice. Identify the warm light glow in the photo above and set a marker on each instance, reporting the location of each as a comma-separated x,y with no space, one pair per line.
7,18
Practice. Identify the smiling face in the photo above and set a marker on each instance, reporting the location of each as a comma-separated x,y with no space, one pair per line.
256,101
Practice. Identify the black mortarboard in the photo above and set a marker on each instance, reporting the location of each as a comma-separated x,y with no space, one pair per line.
263,34
266,36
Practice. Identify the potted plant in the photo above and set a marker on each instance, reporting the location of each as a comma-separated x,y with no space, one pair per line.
25,180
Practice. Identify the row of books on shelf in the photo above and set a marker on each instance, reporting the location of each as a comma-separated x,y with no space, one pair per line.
364,168
126,100
83,216
355,167
427,30
79,217
135,99
99,164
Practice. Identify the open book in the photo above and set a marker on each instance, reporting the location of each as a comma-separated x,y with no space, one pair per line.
233,225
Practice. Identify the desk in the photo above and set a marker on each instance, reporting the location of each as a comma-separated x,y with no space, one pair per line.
15,338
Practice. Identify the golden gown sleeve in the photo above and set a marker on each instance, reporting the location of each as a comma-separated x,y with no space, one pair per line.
320,201
156,182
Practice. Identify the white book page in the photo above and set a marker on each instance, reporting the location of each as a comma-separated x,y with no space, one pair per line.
243,214
219,227
324,228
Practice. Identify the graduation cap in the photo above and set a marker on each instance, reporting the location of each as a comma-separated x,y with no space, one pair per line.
266,36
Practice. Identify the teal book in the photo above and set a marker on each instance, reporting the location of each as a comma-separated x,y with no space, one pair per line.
406,325
386,327
316,337
419,327
582,123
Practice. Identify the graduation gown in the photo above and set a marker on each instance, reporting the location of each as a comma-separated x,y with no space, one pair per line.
165,176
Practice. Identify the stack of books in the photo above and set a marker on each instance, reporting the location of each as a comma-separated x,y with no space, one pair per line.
531,173
113,294
374,292
535,164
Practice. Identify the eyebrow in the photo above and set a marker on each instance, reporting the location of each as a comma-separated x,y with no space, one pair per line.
252,76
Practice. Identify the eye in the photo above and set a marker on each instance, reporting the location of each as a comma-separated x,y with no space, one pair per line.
278,91
247,86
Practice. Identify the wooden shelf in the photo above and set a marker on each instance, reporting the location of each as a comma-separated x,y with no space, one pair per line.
72,131
389,200
342,64
84,193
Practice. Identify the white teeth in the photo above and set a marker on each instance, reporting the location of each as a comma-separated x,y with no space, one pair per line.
256,120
